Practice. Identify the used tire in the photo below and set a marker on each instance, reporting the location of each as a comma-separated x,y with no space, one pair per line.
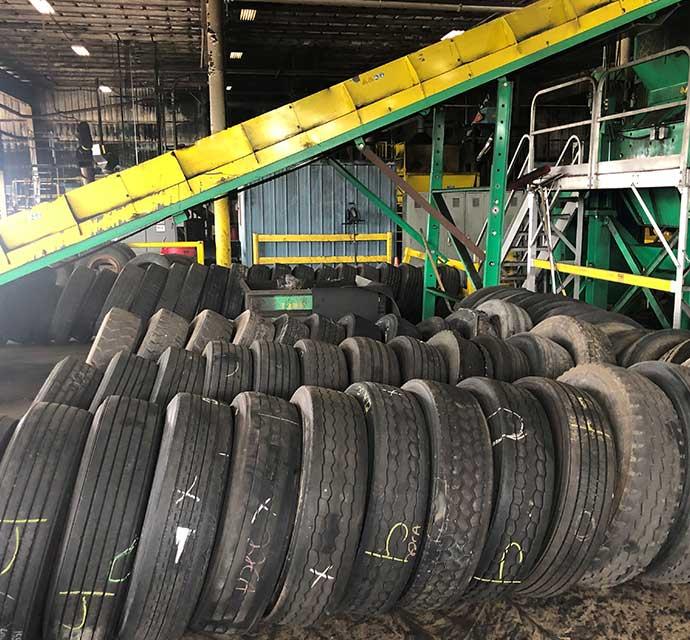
177,536
672,563
358,326
208,326
72,382
173,286
119,331
277,370
431,326
678,354
396,511
462,481
653,346
179,371
585,456
511,318
149,292
37,475
126,375
233,301
213,292
322,365
370,361
419,360
332,487
649,482
85,323
70,301
544,357
93,565
508,363
256,522
305,274
463,358
190,294
393,326
166,329
583,341
121,295
390,276
250,326
524,475
472,323
288,330
229,371
7,426
324,329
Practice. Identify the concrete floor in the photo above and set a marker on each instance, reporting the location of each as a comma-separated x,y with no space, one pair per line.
634,611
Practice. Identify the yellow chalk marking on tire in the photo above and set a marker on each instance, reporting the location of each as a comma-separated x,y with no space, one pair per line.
116,559
502,564
388,555
25,521
84,613
15,553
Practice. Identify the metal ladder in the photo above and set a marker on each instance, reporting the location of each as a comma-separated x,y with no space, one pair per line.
547,212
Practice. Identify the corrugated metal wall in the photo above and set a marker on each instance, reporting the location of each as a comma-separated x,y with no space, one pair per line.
313,199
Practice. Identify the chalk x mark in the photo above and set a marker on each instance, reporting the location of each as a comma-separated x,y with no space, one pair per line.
321,575
188,493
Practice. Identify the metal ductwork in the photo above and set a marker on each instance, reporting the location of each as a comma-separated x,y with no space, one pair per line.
400,4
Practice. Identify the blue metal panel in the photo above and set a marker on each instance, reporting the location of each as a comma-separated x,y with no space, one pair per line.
313,199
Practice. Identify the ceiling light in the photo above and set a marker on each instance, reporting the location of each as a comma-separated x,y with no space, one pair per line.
42,6
80,50
104,88
247,14
228,88
236,55
452,34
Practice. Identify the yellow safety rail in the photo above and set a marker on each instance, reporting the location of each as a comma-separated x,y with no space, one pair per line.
410,253
300,130
258,238
198,245
648,282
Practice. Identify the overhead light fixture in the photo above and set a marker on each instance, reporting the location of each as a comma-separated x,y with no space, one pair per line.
104,88
452,34
236,55
80,50
247,14
42,6
228,87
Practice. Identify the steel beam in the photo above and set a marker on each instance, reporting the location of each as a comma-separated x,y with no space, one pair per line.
598,256
499,172
635,267
433,227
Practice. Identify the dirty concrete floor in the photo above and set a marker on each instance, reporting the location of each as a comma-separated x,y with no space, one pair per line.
634,611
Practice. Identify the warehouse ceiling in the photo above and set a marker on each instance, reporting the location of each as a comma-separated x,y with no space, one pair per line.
288,49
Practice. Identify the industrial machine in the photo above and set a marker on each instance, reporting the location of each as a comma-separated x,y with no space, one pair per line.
607,217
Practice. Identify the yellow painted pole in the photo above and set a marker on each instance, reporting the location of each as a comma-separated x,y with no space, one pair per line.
389,247
255,249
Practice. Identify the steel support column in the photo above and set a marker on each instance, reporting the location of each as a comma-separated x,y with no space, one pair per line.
433,227
499,172
216,99
598,255
682,295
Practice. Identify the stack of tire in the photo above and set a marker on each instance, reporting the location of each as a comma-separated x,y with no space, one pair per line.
232,480
145,285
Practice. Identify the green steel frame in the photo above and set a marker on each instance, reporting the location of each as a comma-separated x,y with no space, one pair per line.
499,171
433,227
148,220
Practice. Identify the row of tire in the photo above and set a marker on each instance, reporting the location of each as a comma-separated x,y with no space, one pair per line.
217,517
36,309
